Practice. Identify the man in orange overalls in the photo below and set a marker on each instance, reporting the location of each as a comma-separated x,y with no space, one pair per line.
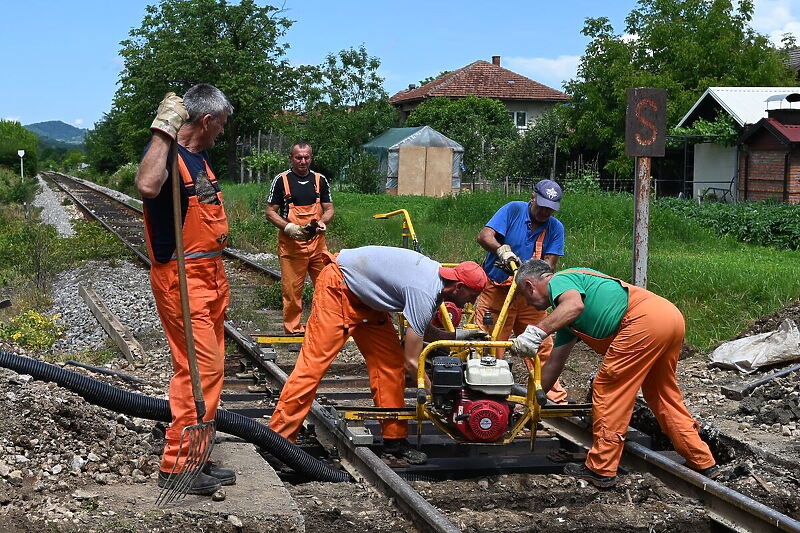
193,122
639,334
298,197
519,231
354,296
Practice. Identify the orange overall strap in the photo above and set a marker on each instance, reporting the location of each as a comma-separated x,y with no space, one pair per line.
287,194
537,252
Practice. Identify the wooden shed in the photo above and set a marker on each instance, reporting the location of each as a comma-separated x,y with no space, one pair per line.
769,158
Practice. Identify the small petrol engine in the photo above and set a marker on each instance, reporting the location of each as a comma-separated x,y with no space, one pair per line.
473,394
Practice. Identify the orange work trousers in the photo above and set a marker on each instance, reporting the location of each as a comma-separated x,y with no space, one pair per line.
208,299
642,354
336,314
519,316
297,259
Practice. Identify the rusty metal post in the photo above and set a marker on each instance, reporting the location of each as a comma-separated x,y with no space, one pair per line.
641,221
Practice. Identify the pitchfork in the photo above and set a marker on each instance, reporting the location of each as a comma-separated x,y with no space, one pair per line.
198,439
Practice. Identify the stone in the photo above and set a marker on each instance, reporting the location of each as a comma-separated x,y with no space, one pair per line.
219,496
235,520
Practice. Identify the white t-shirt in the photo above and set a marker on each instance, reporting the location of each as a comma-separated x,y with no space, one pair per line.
394,279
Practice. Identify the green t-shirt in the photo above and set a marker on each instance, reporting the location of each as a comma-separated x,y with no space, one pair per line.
605,303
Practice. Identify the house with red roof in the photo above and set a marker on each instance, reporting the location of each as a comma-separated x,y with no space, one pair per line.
524,98
769,158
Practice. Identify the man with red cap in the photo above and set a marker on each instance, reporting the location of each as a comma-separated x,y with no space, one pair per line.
354,296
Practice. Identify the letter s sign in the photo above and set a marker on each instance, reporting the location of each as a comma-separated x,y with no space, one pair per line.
645,122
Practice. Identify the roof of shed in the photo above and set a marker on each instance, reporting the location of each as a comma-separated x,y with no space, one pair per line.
786,133
482,79
747,105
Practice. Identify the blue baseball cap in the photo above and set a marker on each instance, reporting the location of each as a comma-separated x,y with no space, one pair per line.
548,194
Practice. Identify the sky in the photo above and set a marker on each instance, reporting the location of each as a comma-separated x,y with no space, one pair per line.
60,60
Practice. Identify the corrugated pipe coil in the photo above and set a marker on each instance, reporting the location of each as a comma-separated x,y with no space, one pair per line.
141,406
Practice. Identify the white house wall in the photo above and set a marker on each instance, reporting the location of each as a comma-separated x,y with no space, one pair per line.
714,166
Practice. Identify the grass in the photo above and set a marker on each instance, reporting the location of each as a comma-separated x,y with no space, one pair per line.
721,285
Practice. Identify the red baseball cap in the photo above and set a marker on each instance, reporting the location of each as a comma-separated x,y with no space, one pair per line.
469,273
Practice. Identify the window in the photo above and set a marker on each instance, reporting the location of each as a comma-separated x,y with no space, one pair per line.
521,119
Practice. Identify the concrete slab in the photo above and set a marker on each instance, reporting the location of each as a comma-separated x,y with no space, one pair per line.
258,500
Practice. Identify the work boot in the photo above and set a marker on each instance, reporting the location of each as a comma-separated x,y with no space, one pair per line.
402,449
225,476
712,472
581,471
203,484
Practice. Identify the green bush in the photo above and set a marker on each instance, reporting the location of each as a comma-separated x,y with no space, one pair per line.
33,330
124,179
765,223
14,190
363,175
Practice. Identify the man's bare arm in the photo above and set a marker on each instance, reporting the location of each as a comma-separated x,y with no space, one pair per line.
152,171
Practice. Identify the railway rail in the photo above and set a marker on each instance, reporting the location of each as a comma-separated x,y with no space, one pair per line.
729,509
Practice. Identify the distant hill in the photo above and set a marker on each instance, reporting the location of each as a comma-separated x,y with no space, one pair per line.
61,132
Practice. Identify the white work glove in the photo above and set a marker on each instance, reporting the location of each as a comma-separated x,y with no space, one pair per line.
471,335
170,116
504,258
296,232
527,344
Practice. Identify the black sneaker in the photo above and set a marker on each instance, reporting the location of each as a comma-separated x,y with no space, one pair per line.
402,449
712,472
580,471
225,476
203,484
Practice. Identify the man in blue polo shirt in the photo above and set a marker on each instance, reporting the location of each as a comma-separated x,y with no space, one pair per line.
520,231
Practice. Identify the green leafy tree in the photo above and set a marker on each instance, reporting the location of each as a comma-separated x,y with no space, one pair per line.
104,144
480,125
236,47
531,154
343,105
73,160
683,46
14,137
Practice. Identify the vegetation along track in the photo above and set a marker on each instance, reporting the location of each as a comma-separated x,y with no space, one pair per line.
726,508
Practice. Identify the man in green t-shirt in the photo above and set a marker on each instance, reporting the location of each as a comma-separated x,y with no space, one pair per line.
639,334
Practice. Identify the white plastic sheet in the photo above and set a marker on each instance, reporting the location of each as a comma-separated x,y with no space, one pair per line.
749,353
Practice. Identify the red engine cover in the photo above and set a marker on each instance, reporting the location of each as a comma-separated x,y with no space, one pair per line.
481,420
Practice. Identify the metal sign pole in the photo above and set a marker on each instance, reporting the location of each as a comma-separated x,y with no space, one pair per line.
641,221
645,127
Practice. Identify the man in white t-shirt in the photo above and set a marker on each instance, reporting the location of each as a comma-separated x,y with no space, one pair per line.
354,296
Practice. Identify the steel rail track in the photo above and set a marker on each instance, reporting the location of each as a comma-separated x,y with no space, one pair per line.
730,509
100,205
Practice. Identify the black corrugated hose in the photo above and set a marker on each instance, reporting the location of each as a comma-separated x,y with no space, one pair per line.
141,406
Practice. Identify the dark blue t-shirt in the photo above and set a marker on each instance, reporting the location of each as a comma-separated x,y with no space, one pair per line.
159,209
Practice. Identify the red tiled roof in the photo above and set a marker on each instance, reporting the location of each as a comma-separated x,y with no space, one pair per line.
483,79
790,131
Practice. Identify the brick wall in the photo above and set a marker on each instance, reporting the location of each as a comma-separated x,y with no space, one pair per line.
761,174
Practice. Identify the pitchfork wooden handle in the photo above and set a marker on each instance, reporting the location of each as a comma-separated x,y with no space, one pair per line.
197,388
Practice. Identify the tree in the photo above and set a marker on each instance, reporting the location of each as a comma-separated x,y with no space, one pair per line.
531,154
104,144
683,46
235,47
14,137
480,125
343,106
